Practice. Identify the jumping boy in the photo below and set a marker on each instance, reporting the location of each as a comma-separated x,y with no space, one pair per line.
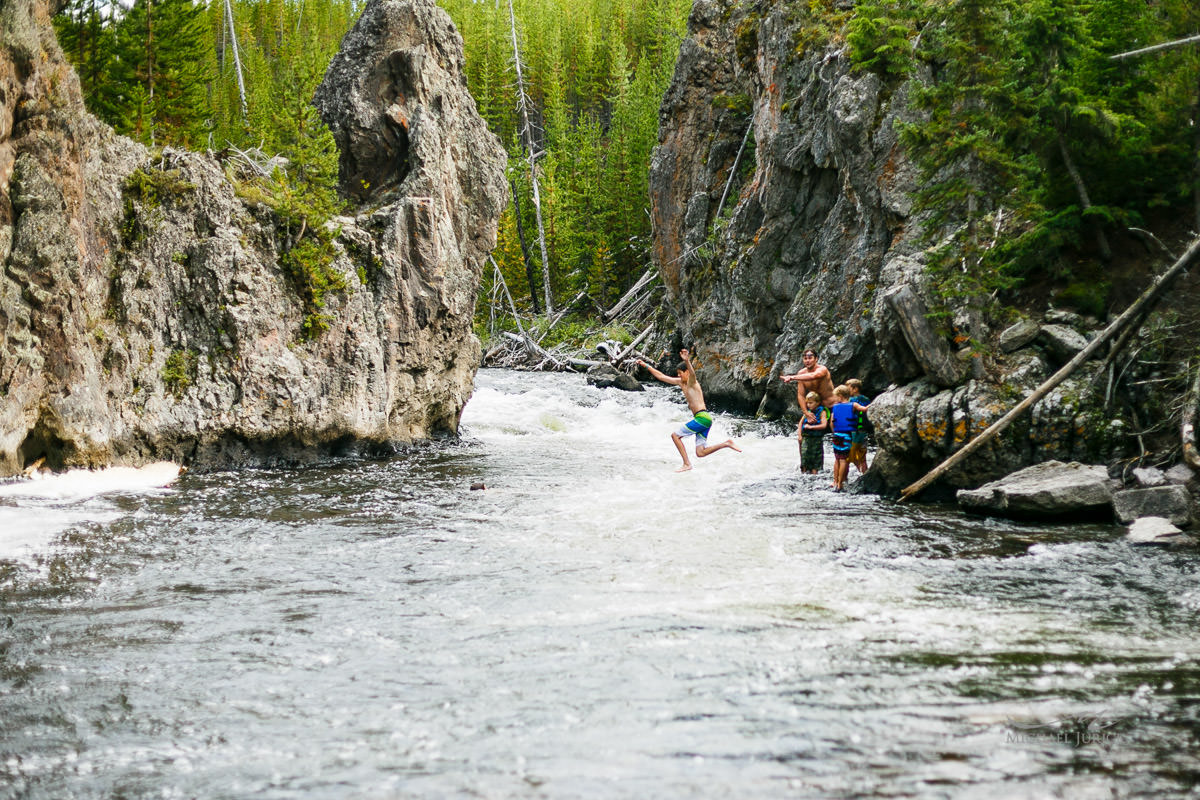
814,423
843,427
701,420
858,439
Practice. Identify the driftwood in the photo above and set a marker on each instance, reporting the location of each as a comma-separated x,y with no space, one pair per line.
629,296
1151,294
624,354
931,350
535,349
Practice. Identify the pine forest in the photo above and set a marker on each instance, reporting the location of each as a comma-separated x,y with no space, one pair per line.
1029,128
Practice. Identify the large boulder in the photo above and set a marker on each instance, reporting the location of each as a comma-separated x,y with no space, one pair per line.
149,311
1050,490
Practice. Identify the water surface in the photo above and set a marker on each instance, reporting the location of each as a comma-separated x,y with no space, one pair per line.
589,625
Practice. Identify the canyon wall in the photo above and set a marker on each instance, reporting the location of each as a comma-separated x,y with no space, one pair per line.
154,306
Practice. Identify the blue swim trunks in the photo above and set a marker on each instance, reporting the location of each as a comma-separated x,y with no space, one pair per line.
698,427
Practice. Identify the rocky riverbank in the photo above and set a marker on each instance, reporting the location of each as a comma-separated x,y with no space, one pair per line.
154,309
783,221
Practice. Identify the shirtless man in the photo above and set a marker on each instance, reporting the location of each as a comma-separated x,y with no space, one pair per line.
813,378
701,420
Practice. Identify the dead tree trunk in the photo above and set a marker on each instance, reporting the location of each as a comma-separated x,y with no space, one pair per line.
530,148
237,60
1196,157
1149,296
533,292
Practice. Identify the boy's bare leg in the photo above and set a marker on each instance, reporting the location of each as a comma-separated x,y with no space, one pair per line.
678,440
705,450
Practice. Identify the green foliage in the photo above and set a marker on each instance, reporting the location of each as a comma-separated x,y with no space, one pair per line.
310,264
1033,143
1086,297
302,208
596,72
879,38
179,371
144,191
146,69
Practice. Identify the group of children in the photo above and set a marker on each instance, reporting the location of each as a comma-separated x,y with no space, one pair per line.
846,421
839,411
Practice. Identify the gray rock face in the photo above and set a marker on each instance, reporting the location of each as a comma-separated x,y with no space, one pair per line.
146,313
1170,502
1148,477
813,215
1048,490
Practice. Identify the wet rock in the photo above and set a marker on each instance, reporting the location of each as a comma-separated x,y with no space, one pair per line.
1155,531
1045,491
1018,335
603,376
1059,316
1170,502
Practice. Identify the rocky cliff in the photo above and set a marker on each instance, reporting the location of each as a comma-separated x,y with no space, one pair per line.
150,308
783,220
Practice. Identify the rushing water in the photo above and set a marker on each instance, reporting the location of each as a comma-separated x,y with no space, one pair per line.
589,625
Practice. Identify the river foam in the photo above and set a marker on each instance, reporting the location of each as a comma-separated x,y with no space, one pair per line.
34,510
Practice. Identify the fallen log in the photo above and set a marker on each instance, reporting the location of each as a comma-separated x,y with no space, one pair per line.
624,354
534,349
647,276
1151,294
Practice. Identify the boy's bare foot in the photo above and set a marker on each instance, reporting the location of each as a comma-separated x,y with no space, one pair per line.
729,443
685,468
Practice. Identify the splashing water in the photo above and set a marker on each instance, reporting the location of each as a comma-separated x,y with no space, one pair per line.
591,624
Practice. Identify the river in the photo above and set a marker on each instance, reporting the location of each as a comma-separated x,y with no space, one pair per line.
590,625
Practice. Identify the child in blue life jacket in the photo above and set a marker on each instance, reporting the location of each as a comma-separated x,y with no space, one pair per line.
858,439
842,415
814,424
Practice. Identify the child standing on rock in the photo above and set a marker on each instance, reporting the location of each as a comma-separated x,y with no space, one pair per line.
685,379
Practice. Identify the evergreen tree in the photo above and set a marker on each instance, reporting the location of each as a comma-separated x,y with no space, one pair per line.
155,90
